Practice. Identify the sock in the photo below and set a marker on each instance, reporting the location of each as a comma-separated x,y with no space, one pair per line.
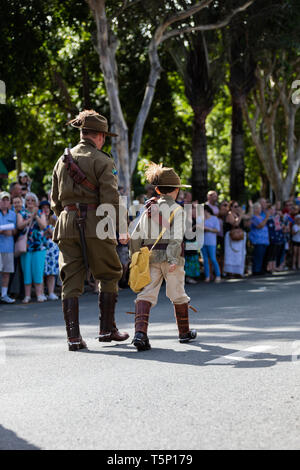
3,291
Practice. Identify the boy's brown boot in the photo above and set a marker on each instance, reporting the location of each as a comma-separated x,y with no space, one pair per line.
142,311
182,319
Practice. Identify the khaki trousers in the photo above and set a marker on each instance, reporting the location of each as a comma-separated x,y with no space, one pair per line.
174,284
103,260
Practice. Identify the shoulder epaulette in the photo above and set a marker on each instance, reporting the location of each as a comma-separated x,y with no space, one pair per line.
107,154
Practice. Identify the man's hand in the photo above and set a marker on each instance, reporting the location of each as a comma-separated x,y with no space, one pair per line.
7,233
124,238
172,268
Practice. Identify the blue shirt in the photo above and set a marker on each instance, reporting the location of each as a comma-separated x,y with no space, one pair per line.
258,236
210,238
7,243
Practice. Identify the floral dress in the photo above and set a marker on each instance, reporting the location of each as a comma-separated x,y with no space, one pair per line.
36,241
51,263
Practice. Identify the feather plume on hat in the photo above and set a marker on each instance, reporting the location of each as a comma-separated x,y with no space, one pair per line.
158,175
153,173
80,118
90,120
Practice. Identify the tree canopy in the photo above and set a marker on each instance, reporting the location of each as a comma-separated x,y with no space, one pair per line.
53,66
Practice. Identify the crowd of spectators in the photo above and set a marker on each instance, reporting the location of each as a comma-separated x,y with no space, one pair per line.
261,238
28,256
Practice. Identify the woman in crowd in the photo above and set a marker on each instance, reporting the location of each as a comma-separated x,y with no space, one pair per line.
286,221
276,238
17,204
191,252
235,241
211,228
16,283
24,180
223,212
296,243
33,260
51,261
259,237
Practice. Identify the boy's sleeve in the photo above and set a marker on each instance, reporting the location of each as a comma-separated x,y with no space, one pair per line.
174,248
136,240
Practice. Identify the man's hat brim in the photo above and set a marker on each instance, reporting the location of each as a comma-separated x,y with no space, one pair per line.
173,185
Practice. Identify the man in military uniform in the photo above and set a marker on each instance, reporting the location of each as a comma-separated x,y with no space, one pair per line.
76,203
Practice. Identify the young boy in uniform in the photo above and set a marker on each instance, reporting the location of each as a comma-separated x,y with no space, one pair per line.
166,258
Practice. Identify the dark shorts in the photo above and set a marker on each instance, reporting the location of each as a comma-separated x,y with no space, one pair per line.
273,252
296,244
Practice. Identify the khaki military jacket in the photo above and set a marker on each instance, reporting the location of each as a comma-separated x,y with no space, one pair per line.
148,231
100,170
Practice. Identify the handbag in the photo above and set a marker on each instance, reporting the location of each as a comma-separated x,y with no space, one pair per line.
21,244
236,234
139,276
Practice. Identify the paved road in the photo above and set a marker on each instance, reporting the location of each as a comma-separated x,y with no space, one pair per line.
236,387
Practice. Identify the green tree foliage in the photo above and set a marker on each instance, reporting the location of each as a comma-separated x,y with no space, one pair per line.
51,69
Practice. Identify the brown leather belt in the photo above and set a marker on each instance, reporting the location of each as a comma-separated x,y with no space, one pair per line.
158,246
73,207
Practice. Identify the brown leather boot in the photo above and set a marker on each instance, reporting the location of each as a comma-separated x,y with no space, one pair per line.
108,328
182,319
71,315
142,311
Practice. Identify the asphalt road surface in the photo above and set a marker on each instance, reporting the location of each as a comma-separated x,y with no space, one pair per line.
235,387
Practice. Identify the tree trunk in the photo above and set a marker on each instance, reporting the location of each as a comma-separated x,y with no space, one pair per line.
199,157
86,88
265,186
237,164
125,156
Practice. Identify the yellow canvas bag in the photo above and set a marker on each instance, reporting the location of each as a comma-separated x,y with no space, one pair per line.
139,275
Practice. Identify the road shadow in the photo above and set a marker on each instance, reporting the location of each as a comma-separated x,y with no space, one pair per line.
203,356
10,441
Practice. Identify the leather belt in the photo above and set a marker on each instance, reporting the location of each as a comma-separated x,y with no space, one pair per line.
158,246
73,207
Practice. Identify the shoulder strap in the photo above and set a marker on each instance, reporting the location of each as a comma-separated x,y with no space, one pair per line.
77,175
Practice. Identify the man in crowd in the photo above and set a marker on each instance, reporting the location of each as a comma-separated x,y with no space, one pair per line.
264,206
7,231
15,190
212,199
